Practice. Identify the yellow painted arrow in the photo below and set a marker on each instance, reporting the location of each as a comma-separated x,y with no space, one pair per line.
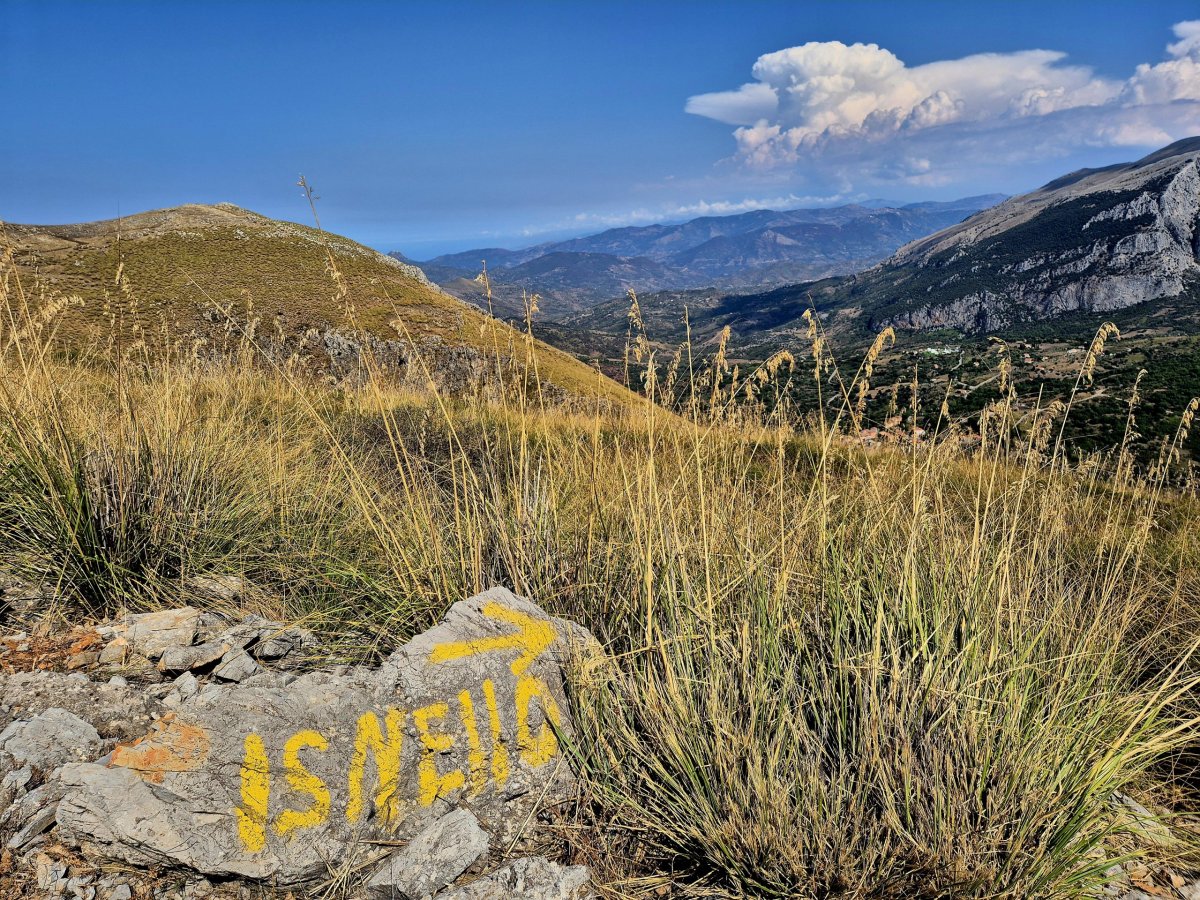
532,637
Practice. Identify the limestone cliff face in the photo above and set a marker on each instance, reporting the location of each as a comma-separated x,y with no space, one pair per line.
1093,241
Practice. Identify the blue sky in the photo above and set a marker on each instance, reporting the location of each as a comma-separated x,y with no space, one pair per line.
440,126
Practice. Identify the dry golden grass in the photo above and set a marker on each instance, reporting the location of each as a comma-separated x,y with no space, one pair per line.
917,670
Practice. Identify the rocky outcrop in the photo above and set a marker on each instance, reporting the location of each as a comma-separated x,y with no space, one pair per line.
1103,242
410,775
454,369
427,776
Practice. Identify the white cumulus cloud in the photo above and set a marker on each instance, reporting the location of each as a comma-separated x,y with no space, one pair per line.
861,107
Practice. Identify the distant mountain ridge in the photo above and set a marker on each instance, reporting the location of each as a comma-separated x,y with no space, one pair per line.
1120,242
757,249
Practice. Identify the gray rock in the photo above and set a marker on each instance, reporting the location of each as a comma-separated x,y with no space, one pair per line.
263,638
151,634
1117,881
1099,270
49,872
114,653
81,887
185,659
41,822
198,889
236,665
1143,823
432,859
532,878
185,687
250,630
50,739
26,602
116,712
83,659
14,783
467,714
33,814
282,642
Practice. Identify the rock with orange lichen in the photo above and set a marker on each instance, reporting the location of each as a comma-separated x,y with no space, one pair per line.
273,777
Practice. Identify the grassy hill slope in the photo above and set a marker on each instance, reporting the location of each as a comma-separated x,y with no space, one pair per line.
185,265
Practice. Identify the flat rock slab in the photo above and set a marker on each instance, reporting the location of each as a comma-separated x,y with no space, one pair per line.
432,859
50,739
532,878
271,777
152,634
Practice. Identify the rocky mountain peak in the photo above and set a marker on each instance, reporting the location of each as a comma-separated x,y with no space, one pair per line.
1094,241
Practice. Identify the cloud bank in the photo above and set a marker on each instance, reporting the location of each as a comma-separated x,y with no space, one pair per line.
860,109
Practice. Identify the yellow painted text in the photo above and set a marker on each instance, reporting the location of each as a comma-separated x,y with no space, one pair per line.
385,750
304,782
